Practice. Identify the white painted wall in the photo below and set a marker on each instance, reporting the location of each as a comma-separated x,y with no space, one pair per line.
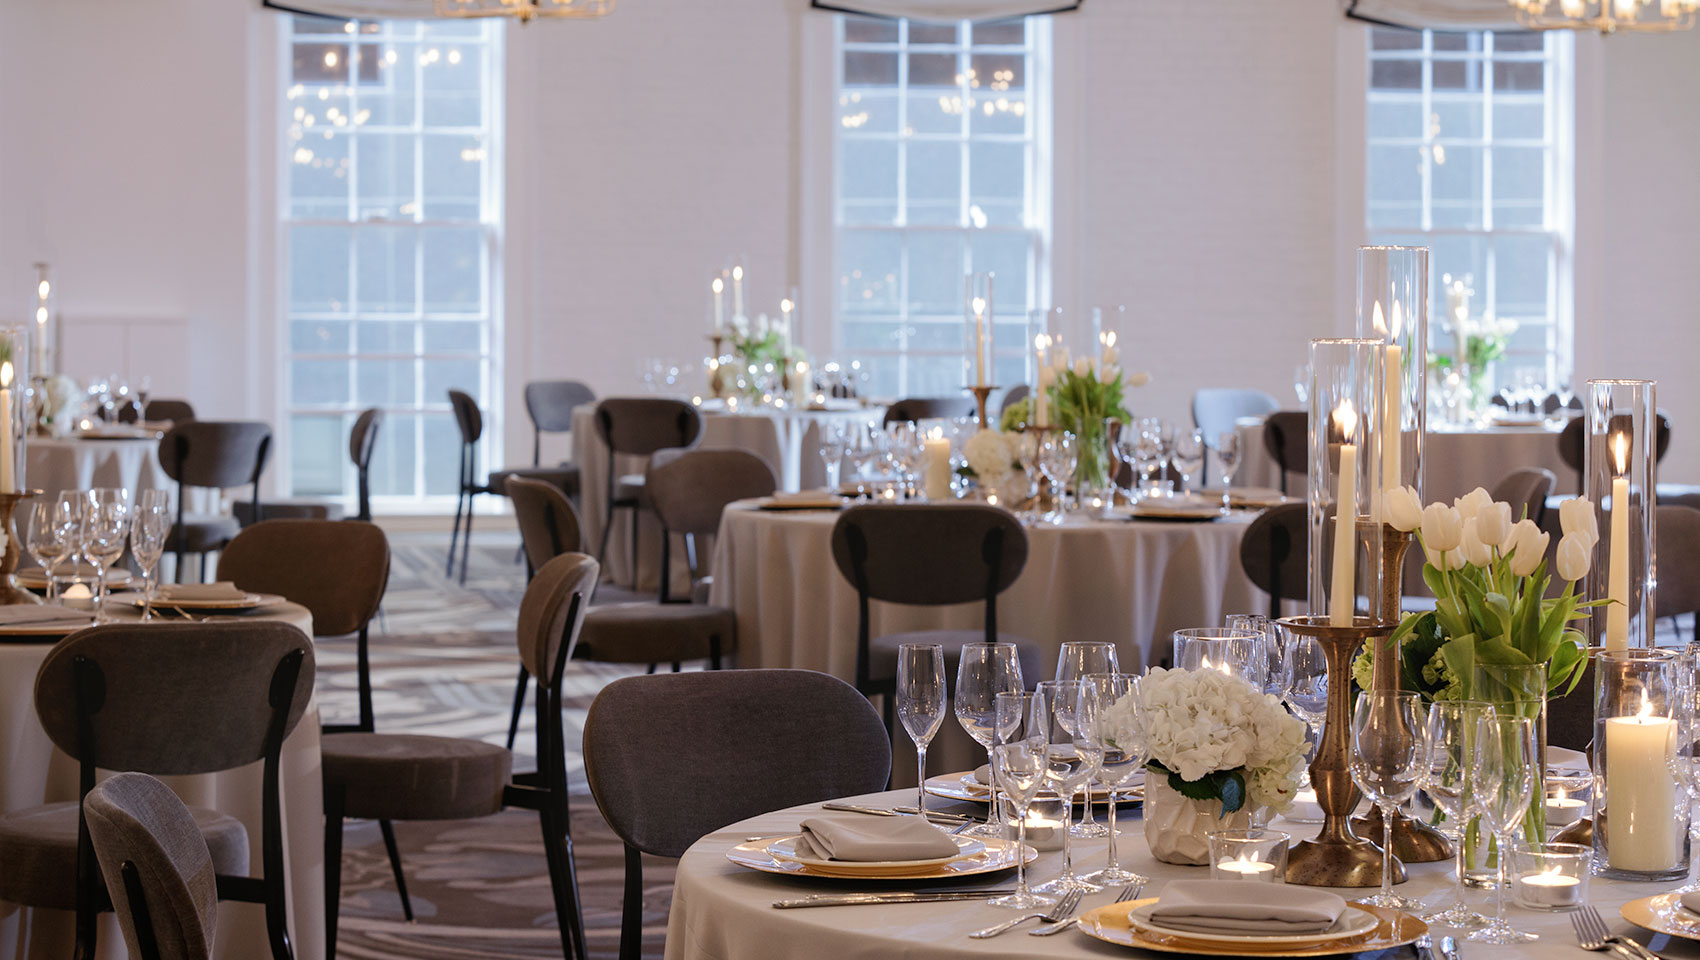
1207,173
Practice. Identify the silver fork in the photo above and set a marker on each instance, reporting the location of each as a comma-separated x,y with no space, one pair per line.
1591,934
1062,911
1129,892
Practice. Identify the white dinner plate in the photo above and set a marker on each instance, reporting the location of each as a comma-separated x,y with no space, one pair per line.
965,786
249,601
997,855
825,501
786,849
1355,922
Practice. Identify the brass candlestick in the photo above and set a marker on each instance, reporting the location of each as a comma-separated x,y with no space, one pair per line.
716,388
982,392
1337,857
1413,841
10,592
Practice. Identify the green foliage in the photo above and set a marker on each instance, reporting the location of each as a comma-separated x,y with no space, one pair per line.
1081,403
1227,786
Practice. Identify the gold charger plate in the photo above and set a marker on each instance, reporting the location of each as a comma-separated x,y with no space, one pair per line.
1664,914
250,601
35,578
997,855
1110,924
964,786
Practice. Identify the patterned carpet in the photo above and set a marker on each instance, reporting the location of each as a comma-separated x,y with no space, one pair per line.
446,666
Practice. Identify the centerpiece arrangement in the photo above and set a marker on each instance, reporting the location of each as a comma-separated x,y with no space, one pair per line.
1081,399
1479,342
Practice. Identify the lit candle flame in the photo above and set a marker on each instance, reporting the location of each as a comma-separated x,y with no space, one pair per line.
1646,705
718,285
1378,321
1041,341
41,291
1108,337
5,373
738,272
1620,450
1346,420
785,305
1398,324
979,305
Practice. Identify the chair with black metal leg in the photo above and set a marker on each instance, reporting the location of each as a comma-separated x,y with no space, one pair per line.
550,405
1284,433
1274,554
469,420
638,426
362,443
548,527
213,454
157,865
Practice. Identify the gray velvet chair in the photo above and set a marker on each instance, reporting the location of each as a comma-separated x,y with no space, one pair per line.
550,405
728,746
548,527
1526,489
393,776
911,409
1285,433
213,454
1216,411
639,426
1274,552
149,847
928,555
167,699
176,411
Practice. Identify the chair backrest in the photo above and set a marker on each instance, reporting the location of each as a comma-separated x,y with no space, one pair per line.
551,613
642,425
929,408
177,411
157,867
173,698
729,744
548,523
1274,553
1677,532
1013,396
468,418
690,488
1284,435
1526,489
337,569
929,554
550,403
1570,441
1215,410
362,443
215,453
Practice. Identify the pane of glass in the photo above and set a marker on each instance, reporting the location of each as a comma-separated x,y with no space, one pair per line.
454,270
318,174
938,333
445,374
1519,173
935,182
316,453
864,68
442,454
939,112
386,175
933,376
1384,38
1001,32
319,336
998,181
384,382
1453,258
394,102
1455,186
1518,42
868,112
454,167
392,457
872,335
454,84
1456,117
1509,75
321,63
1519,117
1390,117
318,269
1520,275
932,70
1395,179
386,336
869,30
1008,255
999,72
880,376
867,177
1396,75
454,336
867,274
920,32
936,272
1458,42
318,382
1457,74
1002,113
387,269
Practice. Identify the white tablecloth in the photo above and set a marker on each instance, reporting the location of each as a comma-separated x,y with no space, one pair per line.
788,440
54,465
723,912
36,772
1454,461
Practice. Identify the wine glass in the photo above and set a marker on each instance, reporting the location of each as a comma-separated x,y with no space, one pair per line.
105,528
1306,680
48,540
1265,656
904,452
1057,460
1076,660
920,704
1071,761
1189,455
985,671
1502,782
1147,452
1386,761
1019,768
834,439
1227,461
148,533
1450,733
1238,653
1123,761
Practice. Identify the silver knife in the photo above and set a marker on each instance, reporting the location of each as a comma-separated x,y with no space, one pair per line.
858,808
1449,948
936,814
1425,948
854,899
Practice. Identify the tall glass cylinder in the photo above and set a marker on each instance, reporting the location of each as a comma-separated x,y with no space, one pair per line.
977,330
44,316
1109,338
14,404
1393,307
1640,809
1620,457
1346,395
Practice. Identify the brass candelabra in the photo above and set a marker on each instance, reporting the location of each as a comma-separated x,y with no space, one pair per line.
982,392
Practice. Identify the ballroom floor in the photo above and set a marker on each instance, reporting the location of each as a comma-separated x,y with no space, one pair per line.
446,665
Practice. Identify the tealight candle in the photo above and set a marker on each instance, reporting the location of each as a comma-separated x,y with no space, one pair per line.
1256,855
1562,811
1247,869
1549,889
1551,876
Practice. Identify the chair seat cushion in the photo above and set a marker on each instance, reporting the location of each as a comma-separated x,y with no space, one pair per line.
630,488
203,532
882,653
404,776
38,852
565,476
655,632
243,510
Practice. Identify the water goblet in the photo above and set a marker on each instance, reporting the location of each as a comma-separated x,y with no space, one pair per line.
105,528
1266,656
1057,460
1450,733
1071,761
48,540
920,704
148,533
1123,762
834,439
1147,453
1019,768
1502,782
1188,456
1227,461
985,671
1387,758
1075,660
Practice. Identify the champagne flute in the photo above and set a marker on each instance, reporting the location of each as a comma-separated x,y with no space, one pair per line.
920,704
1502,782
985,672
1124,759
1071,761
47,540
1188,455
1387,759
148,533
1450,734
1227,460
1076,660
1019,768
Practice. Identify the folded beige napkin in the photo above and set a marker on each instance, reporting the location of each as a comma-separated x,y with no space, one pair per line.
22,613
1691,902
983,774
865,839
221,590
1232,906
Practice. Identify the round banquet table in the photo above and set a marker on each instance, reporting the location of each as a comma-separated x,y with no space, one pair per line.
1454,461
722,911
789,440
37,772
1130,582
53,464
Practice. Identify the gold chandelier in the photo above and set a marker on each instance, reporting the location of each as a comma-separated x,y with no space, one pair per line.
1607,16
525,10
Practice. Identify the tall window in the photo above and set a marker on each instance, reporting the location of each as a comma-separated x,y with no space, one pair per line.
939,173
1465,133
391,217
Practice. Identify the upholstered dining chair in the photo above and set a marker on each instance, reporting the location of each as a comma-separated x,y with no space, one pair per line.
1217,410
157,866
1526,489
911,409
214,454
362,443
1572,440
550,405
639,426
548,527
397,776
1013,396
1677,532
175,411
729,746
469,420
928,555
167,699
1284,436
1274,554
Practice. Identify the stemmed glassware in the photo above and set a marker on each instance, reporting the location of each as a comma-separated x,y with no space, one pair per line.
1684,761
1502,782
920,704
834,439
1122,763
904,451
105,528
867,448
49,538
1227,461
1071,761
1188,455
985,673
1018,766
148,533
1445,778
1147,453
1305,675
1268,654
1075,661
1388,740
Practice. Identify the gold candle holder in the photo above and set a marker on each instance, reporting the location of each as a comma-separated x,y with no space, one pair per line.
1336,856
10,592
981,393
716,386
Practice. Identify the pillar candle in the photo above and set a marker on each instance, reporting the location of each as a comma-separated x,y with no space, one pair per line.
1392,434
785,308
1042,397
1342,598
8,451
936,481
1617,583
1646,832
738,290
979,305
719,289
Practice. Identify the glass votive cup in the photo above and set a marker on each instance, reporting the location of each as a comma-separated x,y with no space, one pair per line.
1256,855
1551,876
1044,823
74,592
1566,800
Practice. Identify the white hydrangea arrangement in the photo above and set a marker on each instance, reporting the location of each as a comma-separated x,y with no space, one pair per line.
1214,736
990,455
